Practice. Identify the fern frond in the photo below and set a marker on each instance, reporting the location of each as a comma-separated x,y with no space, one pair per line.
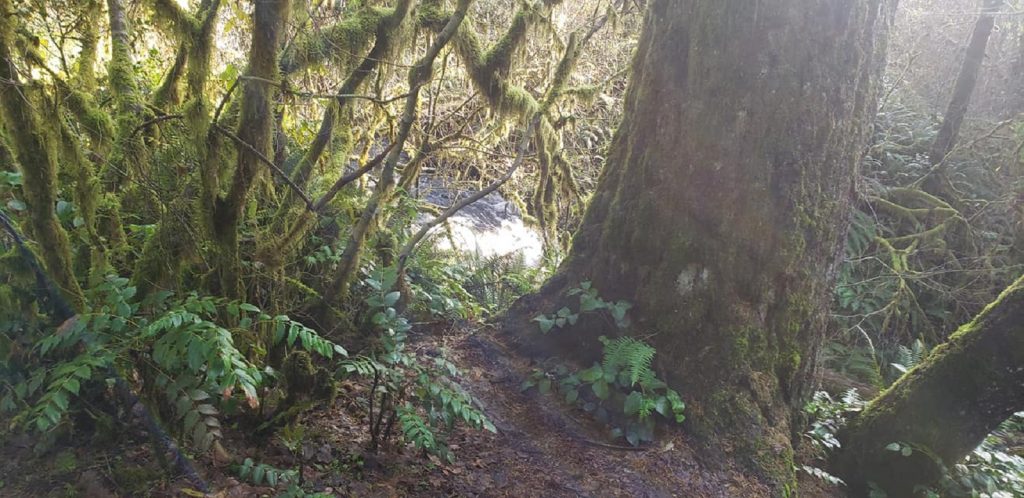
632,355
415,429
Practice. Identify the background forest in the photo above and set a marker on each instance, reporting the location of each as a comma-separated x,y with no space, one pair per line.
251,248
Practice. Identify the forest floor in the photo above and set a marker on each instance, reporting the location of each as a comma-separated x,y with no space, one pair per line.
542,447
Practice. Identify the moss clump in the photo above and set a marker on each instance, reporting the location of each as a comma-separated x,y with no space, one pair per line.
135,480
305,381
336,43
431,15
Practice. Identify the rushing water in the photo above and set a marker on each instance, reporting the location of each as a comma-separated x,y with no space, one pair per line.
489,227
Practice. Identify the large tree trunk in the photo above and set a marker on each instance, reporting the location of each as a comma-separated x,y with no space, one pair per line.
943,408
722,207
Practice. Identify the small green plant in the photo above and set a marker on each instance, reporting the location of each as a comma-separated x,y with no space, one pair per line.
827,416
590,301
404,385
261,473
189,364
293,436
995,469
624,380
908,357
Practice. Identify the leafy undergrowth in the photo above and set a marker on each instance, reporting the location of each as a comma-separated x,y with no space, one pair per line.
542,446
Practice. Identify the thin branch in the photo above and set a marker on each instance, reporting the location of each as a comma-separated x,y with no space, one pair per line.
285,89
349,178
224,100
154,121
524,143
284,176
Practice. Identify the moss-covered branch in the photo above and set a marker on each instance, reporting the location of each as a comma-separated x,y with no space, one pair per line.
130,151
35,153
489,70
86,63
387,38
174,19
419,75
165,252
121,72
342,41
255,129
169,92
387,31
942,408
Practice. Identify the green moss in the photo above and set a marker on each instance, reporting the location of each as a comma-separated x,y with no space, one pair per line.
304,381
336,43
169,92
334,132
85,65
33,146
96,122
174,20
431,15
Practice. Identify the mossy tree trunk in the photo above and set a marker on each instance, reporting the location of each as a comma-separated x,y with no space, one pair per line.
974,56
255,129
944,407
32,146
173,243
723,204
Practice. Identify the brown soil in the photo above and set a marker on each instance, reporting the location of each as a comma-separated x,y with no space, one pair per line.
543,447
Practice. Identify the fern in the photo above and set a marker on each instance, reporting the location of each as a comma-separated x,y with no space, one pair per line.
192,362
631,355
910,357
415,429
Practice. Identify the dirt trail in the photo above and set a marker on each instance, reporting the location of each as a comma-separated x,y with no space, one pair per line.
545,447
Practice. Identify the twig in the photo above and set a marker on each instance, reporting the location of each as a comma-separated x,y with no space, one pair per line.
224,100
154,121
349,178
268,162
524,142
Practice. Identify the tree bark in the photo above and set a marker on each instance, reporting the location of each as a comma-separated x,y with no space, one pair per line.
944,407
723,204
